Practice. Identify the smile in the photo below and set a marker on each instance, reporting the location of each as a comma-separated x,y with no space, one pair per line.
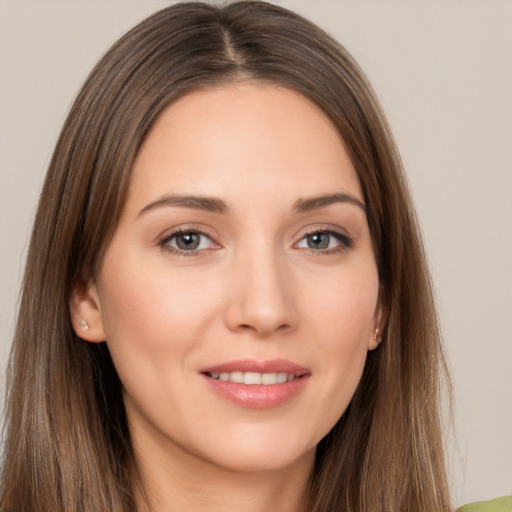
253,378
257,384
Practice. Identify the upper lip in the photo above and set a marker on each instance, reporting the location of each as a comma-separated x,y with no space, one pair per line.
252,365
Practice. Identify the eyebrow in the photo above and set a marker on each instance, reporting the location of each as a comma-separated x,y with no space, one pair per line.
215,205
318,202
207,204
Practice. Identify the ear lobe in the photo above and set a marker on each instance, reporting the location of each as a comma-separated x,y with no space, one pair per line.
375,339
376,334
86,315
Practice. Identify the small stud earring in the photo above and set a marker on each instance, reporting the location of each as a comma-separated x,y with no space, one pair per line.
377,336
84,325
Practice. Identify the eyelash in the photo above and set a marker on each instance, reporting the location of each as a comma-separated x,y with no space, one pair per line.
164,243
345,242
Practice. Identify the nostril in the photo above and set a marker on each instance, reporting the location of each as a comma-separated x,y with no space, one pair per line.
260,310
261,330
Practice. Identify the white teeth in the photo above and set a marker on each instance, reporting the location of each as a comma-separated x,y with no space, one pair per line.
269,378
236,377
282,377
254,378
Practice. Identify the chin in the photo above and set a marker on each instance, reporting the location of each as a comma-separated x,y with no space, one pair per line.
253,453
263,460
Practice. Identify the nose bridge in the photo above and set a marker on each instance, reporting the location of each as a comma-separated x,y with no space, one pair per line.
263,301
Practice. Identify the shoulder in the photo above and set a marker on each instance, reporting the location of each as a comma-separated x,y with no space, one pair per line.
503,504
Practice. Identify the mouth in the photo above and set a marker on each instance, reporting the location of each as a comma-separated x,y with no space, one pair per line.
257,384
254,378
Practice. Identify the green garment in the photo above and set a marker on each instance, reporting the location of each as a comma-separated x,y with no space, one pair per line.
498,505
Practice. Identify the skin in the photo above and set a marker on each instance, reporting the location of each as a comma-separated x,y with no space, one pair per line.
254,288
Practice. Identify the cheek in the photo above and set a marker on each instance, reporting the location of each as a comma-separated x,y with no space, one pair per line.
154,305
344,318
344,306
155,319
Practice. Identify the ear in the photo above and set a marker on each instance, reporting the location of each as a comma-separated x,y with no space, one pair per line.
378,327
85,309
375,339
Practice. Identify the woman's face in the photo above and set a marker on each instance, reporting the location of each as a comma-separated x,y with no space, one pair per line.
238,296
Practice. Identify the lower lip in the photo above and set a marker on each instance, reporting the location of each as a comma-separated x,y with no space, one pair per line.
258,396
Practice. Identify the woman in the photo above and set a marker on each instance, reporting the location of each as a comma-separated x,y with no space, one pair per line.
226,301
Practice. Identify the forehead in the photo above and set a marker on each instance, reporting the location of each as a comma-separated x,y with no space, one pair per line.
244,138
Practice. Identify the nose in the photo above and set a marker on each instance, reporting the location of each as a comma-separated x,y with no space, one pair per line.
262,300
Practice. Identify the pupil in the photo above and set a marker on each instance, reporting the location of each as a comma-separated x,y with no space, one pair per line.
318,241
188,241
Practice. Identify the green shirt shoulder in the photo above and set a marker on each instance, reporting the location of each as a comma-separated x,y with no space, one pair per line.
503,504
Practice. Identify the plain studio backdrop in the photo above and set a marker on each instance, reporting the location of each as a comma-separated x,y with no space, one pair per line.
442,70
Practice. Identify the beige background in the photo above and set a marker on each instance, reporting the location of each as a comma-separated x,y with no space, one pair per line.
442,70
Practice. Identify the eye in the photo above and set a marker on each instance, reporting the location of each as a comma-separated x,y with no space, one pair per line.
325,241
187,242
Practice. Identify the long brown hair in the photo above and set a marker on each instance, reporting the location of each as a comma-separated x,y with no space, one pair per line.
66,440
